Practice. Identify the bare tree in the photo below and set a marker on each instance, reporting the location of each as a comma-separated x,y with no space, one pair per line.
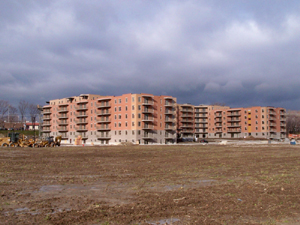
293,122
13,117
33,110
23,107
4,105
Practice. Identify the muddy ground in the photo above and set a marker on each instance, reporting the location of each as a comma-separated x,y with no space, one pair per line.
196,184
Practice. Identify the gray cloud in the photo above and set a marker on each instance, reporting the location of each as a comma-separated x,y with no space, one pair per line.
241,53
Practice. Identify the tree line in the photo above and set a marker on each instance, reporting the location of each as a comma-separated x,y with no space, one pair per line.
10,113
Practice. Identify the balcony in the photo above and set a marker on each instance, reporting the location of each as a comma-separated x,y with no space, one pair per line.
272,112
272,124
64,136
217,131
149,111
104,113
187,125
46,112
147,119
200,115
147,127
201,121
47,124
63,109
282,118
187,115
81,128
234,125
148,102
81,122
187,131
169,105
63,116
201,132
167,120
234,114
169,112
185,110
103,105
148,136
272,117
217,115
169,127
46,131
234,131
47,107
81,108
103,120
187,121
79,115
63,123
103,128
234,120
103,137
63,129
46,118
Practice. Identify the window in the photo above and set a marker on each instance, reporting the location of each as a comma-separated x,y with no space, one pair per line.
125,116
120,132
115,117
120,100
139,99
132,115
133,124
126,132
120,116
125,108
91,104
132,107
132,99
120,108
119,124
126,125
139,124
115,124
133,132
139,107
115,101
115,109
139,116
126,99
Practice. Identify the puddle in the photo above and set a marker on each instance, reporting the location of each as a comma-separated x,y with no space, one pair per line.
172,187
164,221
51,188
21,209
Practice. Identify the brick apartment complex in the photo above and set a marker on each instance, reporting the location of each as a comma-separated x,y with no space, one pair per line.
148,119
213,121
137,118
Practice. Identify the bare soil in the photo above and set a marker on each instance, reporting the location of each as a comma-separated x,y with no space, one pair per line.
195,184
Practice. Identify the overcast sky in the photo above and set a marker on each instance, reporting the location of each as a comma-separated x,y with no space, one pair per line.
237,52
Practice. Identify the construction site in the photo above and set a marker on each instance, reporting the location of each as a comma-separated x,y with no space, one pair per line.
233,182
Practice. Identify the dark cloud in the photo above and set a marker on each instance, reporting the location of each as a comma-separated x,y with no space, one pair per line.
241,53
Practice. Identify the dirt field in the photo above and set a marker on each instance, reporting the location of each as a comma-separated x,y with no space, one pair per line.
251,184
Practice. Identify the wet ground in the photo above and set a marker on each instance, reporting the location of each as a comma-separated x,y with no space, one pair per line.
194,184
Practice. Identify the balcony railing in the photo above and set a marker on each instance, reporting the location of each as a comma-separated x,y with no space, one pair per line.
103,105
63,109
103,127
81,107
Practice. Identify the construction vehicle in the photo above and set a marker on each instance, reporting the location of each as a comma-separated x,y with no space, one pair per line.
49,142
11,140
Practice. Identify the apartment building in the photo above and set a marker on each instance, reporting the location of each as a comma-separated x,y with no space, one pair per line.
215,121
259,122
193,120
137,118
